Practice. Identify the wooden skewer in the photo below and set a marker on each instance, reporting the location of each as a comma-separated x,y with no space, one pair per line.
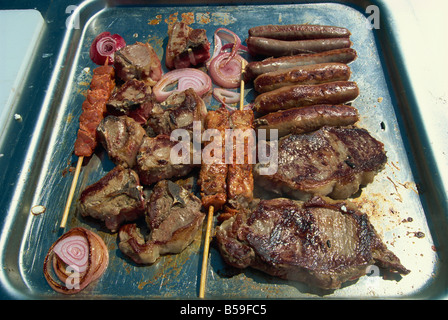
211,209
72,192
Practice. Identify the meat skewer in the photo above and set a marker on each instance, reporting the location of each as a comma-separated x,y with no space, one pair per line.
211,208
93,111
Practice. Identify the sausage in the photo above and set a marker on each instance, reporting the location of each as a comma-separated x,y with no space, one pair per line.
307,119
337,92
278,48
298,32
255,68
310,74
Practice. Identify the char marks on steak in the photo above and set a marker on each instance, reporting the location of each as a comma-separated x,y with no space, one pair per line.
121,137
173,217
331,161
161,158
114,199
138,61
187,47
320,242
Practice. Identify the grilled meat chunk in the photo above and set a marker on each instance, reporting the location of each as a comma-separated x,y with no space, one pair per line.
173,217
121,137
178,112
114,199
307,119
161,158
240,181
129,97
332,161
320,242
187,47
138,61
213,174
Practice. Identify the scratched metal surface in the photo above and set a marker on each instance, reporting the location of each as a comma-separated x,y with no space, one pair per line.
392,200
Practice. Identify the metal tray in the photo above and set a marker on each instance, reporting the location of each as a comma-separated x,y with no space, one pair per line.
400,212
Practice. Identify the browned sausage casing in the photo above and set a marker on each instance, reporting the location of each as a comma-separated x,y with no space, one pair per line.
278,48
256,68
307,119
310,74
337,92
298,32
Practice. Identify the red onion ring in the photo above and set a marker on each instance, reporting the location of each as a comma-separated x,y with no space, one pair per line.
96,260
186,78
226,71
104,46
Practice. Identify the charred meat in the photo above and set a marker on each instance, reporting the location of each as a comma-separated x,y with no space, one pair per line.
161,158
114,199
178,111
129,97
320,242
173,217
332,161
121,137
187,47
138,61
213,174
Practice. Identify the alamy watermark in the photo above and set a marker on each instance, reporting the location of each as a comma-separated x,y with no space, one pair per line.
237,146
373,20
72,21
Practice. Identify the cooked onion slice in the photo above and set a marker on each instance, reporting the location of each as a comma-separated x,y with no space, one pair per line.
185,78
104,46
225,70
78,257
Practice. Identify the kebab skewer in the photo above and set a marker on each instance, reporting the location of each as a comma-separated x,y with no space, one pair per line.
213,176
93,111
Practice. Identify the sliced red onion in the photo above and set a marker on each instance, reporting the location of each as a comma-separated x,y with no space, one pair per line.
104,46
185,78
74,252
226,96
226,71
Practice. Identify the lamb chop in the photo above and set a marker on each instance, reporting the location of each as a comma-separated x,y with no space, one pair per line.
114,199
187,47
173,216
121,137
161,158
331,161
320,242
138,61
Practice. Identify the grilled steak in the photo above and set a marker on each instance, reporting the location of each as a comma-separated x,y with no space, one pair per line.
320,242
114,199
332,161
155,159
138,61
173,216
178,112
307,119
187,47
121,137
